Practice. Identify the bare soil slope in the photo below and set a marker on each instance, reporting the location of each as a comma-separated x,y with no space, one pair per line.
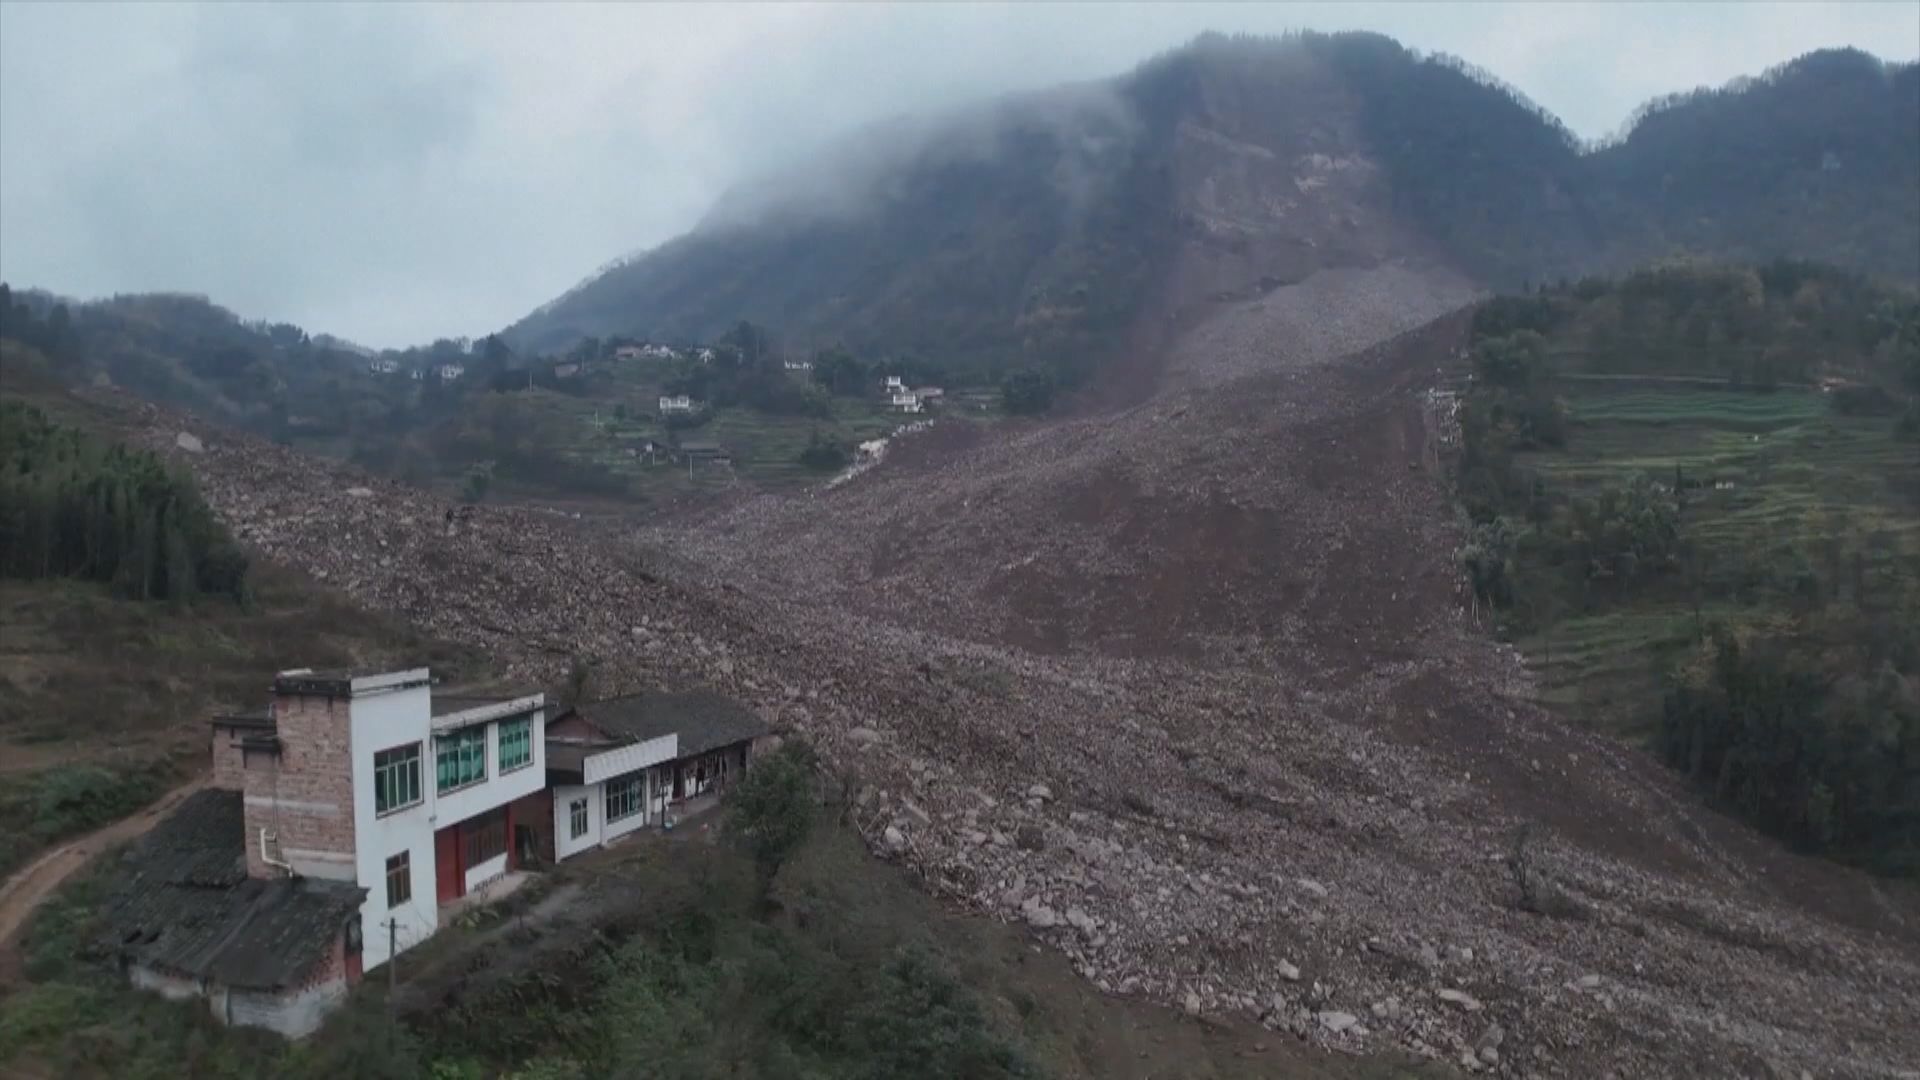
1190,689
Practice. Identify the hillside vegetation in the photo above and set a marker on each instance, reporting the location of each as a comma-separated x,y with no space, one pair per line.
1696,496
75,506
128,616
507,424
1035,231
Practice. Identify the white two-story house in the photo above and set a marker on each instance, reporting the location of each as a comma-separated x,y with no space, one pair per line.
371,779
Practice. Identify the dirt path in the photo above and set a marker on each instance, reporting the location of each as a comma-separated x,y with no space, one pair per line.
30,886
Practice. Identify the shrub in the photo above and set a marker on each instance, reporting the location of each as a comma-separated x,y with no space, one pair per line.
825,455
479,479
1863,400
1027,392
773,808
69,799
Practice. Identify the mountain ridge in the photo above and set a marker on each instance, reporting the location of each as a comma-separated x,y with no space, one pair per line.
983,264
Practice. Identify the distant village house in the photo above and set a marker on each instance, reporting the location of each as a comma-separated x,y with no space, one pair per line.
645,351
649,448
383,365
705,451
449,372
675,403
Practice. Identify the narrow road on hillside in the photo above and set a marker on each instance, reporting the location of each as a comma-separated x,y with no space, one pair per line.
27,888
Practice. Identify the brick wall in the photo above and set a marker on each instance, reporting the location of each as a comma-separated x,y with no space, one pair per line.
229,763
306,797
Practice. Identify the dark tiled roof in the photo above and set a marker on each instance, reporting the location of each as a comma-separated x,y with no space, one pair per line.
187,905
703,719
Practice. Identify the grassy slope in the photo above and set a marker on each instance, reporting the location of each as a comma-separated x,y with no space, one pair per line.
513,993
104,701
1797,472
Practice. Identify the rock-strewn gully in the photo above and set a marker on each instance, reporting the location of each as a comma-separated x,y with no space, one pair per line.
1191,691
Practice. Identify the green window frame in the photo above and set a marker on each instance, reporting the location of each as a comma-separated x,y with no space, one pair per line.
396,778
623,797
399,879
516,743
460,759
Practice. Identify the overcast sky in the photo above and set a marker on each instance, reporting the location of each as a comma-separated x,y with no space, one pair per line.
397,173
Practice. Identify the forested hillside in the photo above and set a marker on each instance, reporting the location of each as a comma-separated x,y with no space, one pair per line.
1037,231
1819,158
74,506
179,349
1026,229
1695,496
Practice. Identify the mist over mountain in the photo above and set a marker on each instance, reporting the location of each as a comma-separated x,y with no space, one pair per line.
1051,228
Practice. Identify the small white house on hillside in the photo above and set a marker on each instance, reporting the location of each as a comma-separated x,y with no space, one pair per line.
630,762
675,403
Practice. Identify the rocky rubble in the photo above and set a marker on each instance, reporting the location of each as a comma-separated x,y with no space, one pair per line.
1189,692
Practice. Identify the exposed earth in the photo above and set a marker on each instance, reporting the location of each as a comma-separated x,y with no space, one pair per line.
1192,689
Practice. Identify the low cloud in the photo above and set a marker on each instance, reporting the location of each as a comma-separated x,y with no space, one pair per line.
394,173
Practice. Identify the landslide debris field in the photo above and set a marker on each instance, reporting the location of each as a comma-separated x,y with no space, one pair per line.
1191,689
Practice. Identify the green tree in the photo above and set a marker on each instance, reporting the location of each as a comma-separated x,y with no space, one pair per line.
1510,361
773,809
1027,391
479,481
841,373
825,455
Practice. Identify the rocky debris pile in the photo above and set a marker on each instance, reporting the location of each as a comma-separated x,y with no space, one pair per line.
1331,314
873,451
1189,692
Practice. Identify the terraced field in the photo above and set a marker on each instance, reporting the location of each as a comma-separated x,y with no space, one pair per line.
1767,477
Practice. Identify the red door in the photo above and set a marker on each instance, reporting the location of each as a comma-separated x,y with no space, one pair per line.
448,877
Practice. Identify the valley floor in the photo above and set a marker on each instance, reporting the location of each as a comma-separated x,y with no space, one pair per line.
1192,691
